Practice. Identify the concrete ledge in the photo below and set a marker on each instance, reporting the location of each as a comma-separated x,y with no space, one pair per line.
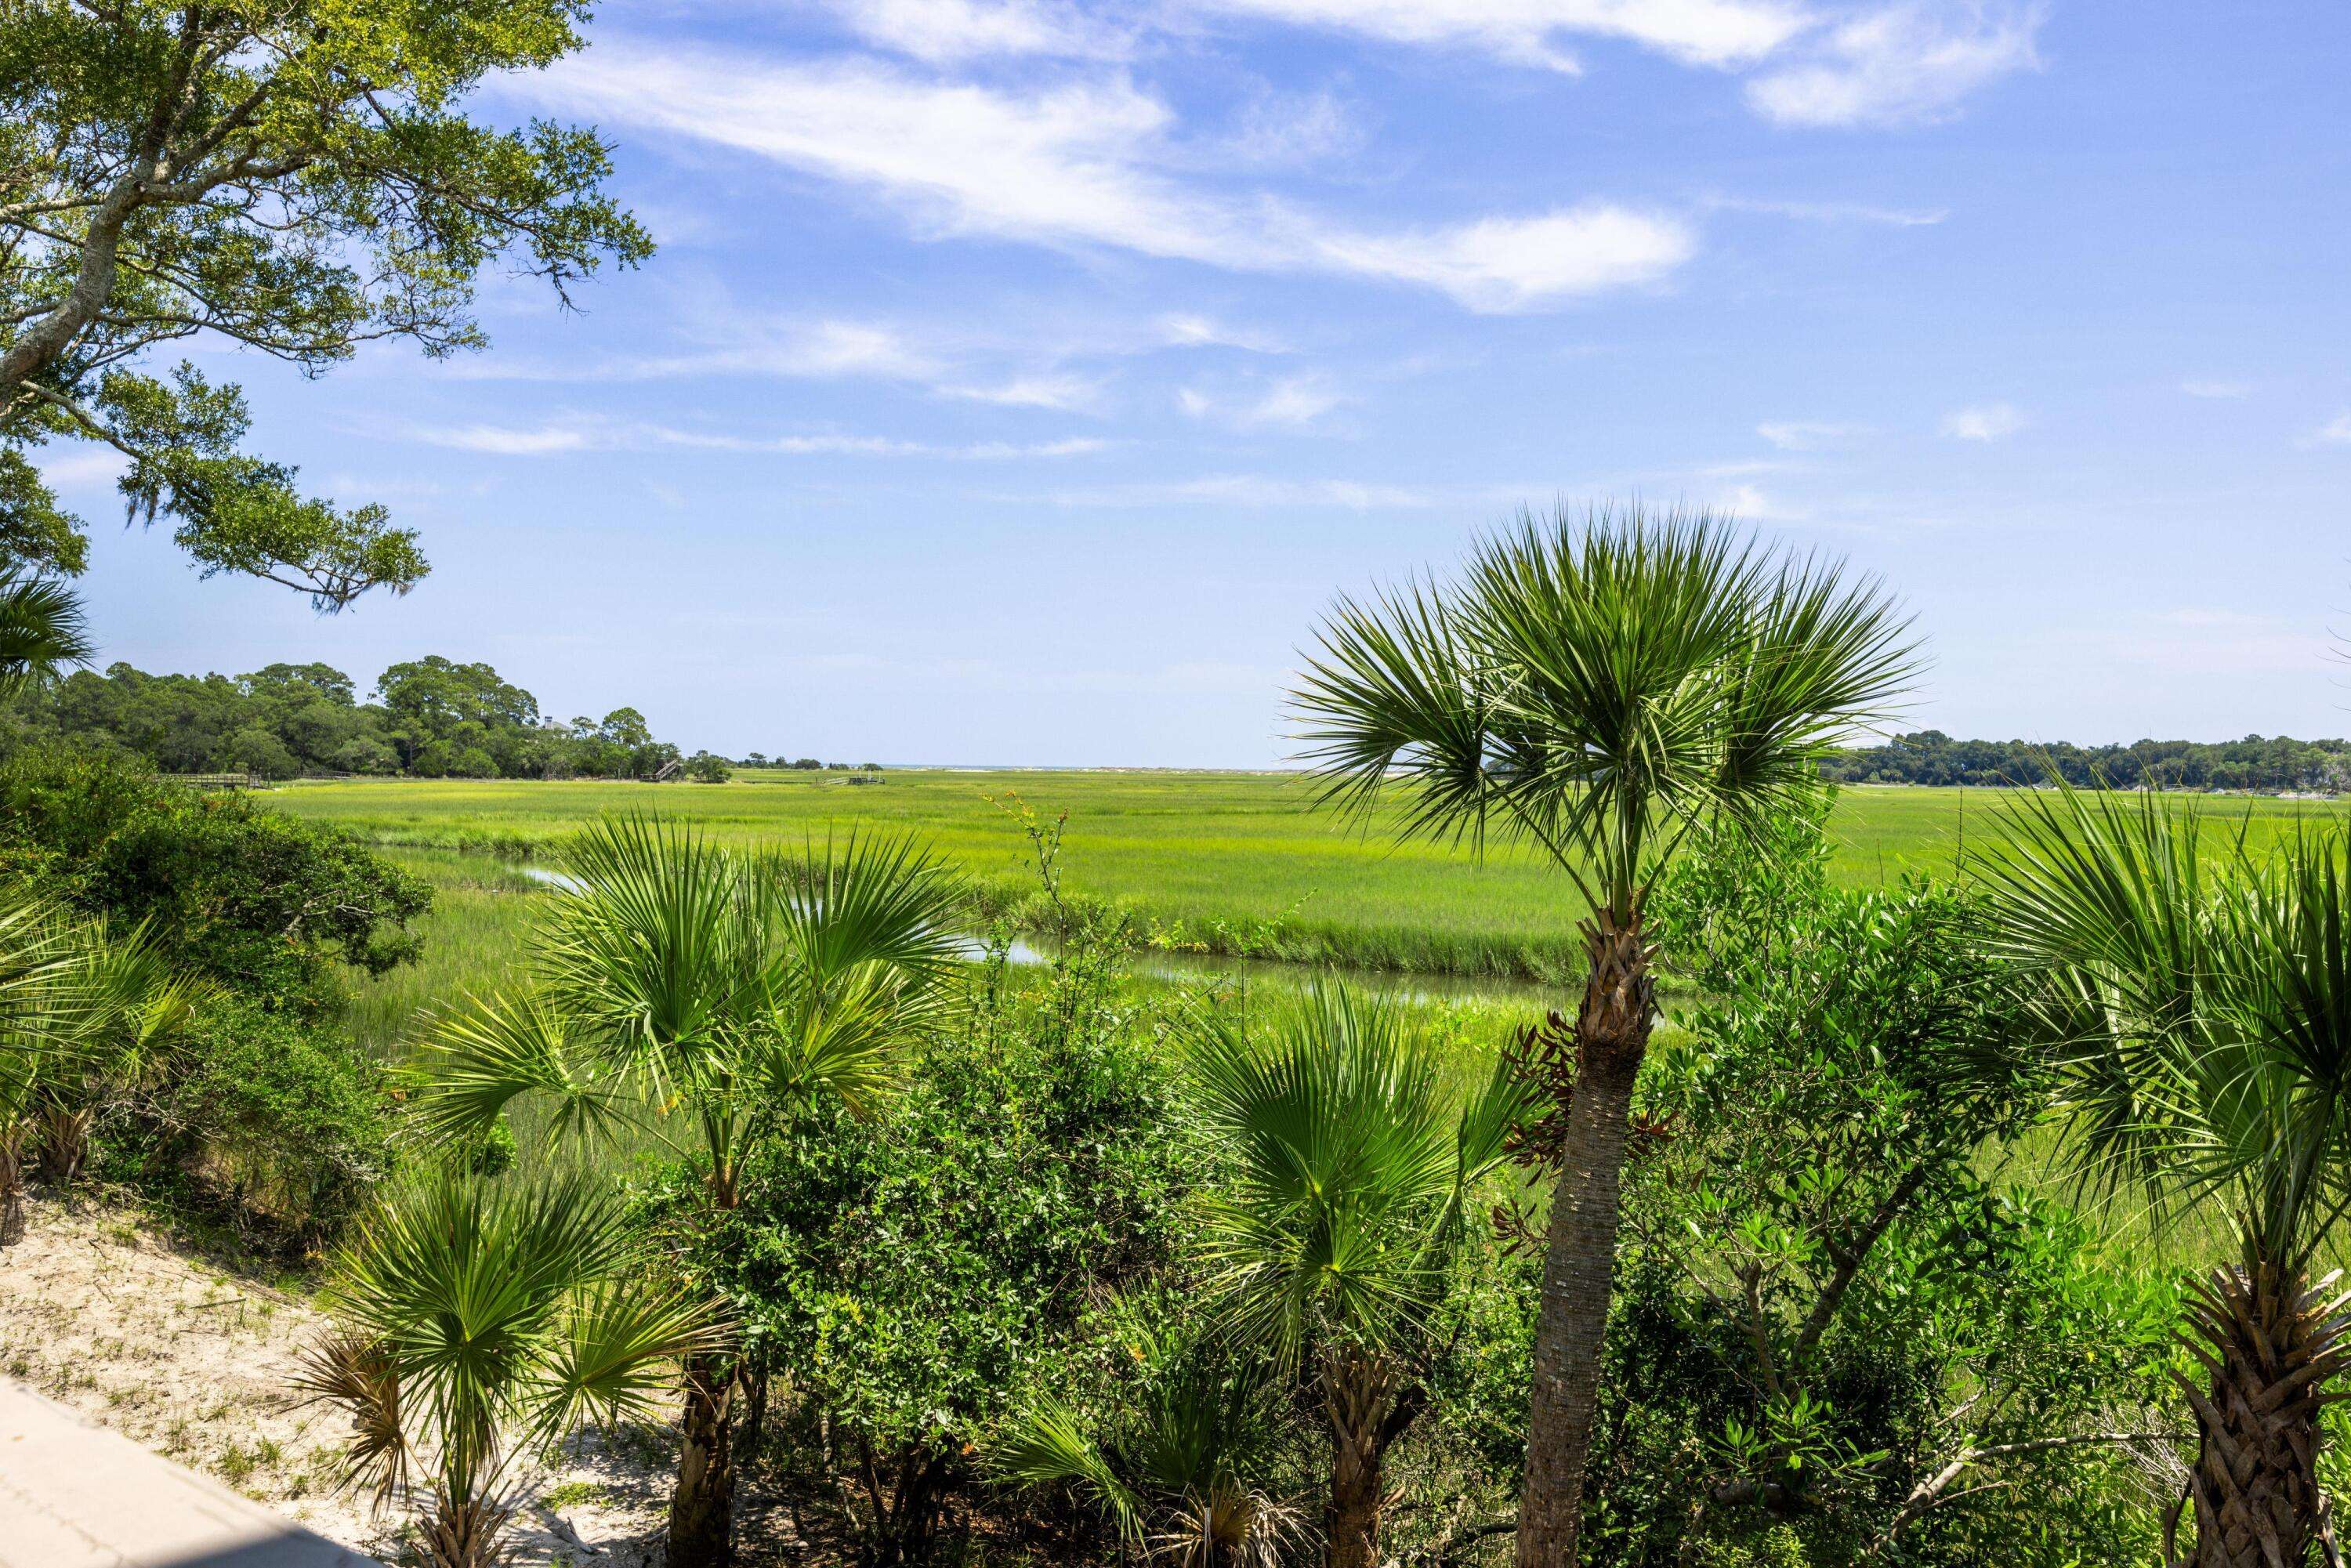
74,1495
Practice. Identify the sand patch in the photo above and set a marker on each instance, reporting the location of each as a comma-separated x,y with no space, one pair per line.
100,1311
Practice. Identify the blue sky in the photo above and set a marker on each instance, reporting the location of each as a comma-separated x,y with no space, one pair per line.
1017,381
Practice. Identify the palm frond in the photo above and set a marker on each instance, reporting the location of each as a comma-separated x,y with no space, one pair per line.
354,1372
1595,682
617,1353
42,631
466,1284
2201,1018
478,1059
655,942
876,903
1347,1166
1045,1443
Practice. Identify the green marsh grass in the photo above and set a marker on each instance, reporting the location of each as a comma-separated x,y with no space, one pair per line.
1233,863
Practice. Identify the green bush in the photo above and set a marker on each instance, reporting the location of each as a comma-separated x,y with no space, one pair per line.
277,1122
244,896
1835,1338
911,1275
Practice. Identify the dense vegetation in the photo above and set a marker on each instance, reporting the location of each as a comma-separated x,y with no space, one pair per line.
427,718
1847,1324
1206,864
251,1107
2270,764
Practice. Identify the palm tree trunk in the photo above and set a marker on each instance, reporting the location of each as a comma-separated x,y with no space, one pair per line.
702,1509
462,1532
1357,1394
11,1184
2269,1342
65,1144
1612,1034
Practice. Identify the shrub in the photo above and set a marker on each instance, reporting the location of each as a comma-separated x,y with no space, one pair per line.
241,895
913,1274
277,1120
1834,1338
255,750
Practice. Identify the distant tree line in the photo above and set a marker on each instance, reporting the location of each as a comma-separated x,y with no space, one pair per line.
429,718
2257,763
807,764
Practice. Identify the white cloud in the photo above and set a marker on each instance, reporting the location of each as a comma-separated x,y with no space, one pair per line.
1278,131
1984,421
1749,505
942,31
1265,490
1719,32
1905,63
1070,393
80,465
1082,162
1833,212
1294,402
2215,389
1805,435
821,351
593,435
1510,264
1203,332
2335,431
502,441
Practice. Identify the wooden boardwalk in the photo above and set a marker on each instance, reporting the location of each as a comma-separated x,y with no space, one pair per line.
73,1495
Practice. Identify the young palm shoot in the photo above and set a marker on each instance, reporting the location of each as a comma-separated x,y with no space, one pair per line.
2202,1022
38,952
1333,1238
685,987
1175,1472
477,1321
117,1005
1593,686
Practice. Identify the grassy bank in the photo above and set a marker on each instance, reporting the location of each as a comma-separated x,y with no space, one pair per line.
1208,862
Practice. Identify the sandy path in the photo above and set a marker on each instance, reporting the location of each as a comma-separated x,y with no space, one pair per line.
100,1312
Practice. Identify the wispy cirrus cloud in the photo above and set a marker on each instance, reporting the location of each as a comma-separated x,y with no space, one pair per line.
1833,211
2335,431
2218,389
1984,421
946,31
1716,33
1851,65
1806,434
1294,402
1068,392
1271,491
1900,63
557,437
1188,332
1085,161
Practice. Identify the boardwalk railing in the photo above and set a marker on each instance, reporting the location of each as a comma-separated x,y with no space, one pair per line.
219,780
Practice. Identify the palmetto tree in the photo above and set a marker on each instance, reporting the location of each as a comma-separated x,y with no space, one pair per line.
1177,1472
1594,686
41,630
681,983
2201,1018
37,951
475,1319
1332,1237
115,1006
